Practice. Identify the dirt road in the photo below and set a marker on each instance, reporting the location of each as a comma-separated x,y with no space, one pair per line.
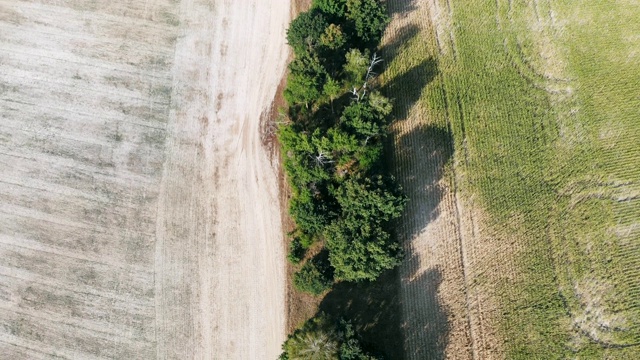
218,228
139,214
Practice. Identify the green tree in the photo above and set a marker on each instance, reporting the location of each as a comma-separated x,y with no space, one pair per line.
297,250
364,121
337,146
306,80
355,68
309,211
333,48
299,150
315,276
305,30
380,103
317,339
333,38
324,339
351,348
336,8
369,18
308,206
360,247
332,89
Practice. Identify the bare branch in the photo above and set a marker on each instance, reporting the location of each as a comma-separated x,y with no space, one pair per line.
356,96
322,159
375,60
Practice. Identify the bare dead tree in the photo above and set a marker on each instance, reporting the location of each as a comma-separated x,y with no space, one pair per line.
359,94
322,159
375,60
356,95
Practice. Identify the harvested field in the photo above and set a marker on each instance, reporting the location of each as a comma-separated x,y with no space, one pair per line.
139,213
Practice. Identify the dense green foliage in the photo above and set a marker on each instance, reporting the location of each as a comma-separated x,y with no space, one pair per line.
305,31
300,243
315,276
360,246
368,17
336,8
323,339
333,146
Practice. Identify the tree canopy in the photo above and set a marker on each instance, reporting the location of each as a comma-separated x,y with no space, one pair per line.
333,155
305,30
359,244
332,146
322,338
369,18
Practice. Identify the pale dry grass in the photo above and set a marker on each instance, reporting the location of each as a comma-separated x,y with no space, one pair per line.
139,213
593,319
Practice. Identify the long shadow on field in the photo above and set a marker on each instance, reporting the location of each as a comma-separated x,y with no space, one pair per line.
419,157
426,331
399,41
400,7
406,88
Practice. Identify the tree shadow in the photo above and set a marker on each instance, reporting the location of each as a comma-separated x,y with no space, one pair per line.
426,331
400,7
399,41
406,88
373,309
419,158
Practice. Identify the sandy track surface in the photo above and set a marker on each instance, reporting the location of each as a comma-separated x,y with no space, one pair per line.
218,228
139,214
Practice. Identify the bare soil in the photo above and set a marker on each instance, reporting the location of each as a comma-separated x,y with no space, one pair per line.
442,309
139,212
455,265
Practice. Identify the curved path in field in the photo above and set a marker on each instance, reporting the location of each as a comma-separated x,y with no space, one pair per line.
220,277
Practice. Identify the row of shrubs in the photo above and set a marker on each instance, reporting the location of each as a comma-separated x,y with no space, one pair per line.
332,146
333,140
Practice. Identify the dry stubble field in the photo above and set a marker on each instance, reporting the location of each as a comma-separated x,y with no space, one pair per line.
139,214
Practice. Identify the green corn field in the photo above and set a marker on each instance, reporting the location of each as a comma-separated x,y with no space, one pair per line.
518,125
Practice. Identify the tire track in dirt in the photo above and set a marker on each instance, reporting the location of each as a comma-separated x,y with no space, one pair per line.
219,253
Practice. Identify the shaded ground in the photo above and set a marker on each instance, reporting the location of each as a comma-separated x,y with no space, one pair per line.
373,309
432,290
